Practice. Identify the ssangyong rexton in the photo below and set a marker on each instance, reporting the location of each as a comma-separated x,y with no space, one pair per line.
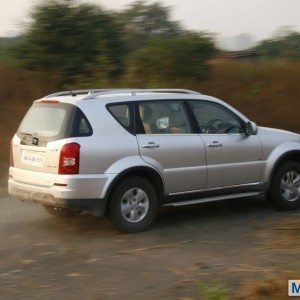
124,153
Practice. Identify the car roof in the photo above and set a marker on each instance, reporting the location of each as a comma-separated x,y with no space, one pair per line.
122,95
106,96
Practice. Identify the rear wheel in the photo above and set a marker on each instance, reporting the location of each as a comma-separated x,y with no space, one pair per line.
284,193
133,204
61,212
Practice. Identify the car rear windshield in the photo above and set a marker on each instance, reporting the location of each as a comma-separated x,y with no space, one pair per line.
54,121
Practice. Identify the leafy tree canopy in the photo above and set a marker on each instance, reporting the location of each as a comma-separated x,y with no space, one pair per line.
285,45
84,44
170,60
72,40
141,22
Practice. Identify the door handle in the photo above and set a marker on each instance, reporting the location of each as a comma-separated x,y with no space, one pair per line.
215,144
151,145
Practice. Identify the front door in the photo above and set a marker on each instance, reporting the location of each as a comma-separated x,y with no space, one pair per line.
169,144
233,158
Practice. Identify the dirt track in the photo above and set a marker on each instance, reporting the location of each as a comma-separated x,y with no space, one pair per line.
236,242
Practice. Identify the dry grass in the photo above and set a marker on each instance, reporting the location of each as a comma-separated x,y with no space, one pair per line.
267,92
264,289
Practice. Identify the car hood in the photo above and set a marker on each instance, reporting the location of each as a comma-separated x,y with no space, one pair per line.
284,134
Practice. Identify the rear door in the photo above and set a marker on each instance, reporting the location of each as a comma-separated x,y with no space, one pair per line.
168,142
39,139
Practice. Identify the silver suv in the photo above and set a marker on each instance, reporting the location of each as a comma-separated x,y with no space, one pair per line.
123,153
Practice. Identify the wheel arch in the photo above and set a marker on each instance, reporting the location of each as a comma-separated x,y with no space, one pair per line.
148,173
293,155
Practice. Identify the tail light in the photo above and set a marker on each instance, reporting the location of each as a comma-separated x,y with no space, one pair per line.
69,159
11,157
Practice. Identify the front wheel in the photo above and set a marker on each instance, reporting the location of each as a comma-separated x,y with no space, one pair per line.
133,204
61,212
284,193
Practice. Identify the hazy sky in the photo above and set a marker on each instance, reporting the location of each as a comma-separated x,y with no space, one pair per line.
260,18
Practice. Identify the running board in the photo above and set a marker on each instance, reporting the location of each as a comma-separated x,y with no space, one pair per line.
211,199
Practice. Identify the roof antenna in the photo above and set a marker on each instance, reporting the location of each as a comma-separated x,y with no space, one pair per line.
73,95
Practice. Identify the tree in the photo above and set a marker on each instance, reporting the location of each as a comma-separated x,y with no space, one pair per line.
170,60
84,45
284,45
142,22
72,40
6,43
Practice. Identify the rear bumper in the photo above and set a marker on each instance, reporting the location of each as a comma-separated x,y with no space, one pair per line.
70,196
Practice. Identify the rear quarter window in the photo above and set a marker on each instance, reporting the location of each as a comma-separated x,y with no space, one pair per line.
80,125
123,113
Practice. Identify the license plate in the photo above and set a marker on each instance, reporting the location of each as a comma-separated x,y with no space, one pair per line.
33,158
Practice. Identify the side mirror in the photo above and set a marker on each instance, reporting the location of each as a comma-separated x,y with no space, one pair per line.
251,128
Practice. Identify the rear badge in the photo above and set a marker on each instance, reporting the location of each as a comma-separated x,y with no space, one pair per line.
35,141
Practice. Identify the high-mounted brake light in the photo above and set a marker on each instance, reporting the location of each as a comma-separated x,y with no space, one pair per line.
50,101
11,157
69,159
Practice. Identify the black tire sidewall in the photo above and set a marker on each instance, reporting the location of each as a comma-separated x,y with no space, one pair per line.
122,187
274,194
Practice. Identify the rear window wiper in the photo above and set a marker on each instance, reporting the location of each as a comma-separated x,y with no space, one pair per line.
33,134
26,133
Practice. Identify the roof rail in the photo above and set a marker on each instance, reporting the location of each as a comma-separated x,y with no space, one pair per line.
80,92
134,91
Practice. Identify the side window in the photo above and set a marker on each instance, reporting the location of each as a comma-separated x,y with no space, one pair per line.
122,113
164,117
214,118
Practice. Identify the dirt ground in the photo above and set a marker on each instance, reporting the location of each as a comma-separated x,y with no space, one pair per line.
239,249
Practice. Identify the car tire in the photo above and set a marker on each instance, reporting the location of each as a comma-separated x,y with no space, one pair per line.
133,204
61,212
284,193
